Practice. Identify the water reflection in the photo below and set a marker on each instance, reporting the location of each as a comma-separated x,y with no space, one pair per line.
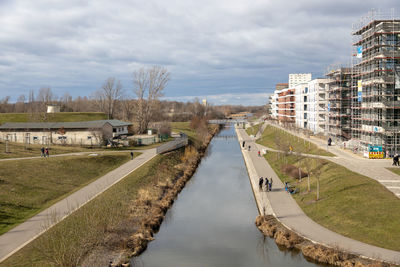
212,221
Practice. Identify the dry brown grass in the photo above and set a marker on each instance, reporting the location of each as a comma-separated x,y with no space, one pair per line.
293,171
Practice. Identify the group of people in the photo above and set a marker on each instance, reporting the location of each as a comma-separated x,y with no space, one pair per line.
265,183
44,152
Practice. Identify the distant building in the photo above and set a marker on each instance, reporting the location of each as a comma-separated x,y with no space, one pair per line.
339,103
317,105
286,105
297,78
53,108
280,86
71,133
204,102
274,105
301,96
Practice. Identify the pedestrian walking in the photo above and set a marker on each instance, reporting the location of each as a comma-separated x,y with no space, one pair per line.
329,141
243,144
396,160
259,154
270,184
249,148
266,184
47,152
131,155
42,152
260,182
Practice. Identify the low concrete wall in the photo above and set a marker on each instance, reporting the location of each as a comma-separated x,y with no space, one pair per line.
172,145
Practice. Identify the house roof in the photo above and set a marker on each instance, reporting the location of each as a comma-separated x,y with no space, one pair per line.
67,125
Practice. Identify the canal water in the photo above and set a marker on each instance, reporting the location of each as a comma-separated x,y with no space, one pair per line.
212,221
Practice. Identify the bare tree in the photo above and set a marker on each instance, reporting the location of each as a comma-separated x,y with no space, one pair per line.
149,84
317,173
307,162
127,107
4,104
20,105
31,101
66,101
45,97
108,95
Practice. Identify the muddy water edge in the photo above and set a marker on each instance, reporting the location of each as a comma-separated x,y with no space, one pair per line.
212,221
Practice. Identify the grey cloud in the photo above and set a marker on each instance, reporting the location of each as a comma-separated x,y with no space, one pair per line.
214,47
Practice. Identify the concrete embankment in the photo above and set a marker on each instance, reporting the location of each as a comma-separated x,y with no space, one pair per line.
282,219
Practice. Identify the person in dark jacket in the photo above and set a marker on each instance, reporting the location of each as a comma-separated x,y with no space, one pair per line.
260,182
396,160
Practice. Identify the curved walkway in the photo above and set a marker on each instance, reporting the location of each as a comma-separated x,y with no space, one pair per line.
27,231
285,209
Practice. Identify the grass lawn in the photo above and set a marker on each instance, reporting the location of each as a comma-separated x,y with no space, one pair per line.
281,140
350,204
29,186
61,116
253,130
75,235
17,150
395,170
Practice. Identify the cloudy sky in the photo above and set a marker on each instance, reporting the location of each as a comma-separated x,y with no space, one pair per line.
230,51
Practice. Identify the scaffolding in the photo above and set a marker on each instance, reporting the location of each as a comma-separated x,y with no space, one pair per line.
339,102
375,94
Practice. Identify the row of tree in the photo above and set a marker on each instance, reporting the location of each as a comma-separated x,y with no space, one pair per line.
115,102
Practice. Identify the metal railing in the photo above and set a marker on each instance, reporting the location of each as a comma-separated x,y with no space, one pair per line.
179,142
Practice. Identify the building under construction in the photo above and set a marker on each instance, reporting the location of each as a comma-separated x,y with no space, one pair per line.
375,85
338,119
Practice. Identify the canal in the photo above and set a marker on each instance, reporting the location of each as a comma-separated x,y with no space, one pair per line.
212,221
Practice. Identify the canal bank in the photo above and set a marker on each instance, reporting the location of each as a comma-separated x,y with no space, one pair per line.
212,220
287,213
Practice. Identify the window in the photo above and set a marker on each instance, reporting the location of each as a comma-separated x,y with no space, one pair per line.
62,138
35,138
114,130
89,138
306,90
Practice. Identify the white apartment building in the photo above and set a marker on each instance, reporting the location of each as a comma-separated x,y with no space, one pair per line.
317,105
274,105
297,78
301,97
311,107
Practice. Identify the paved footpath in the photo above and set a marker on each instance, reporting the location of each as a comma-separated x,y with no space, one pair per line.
24,233
281,204
372,168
